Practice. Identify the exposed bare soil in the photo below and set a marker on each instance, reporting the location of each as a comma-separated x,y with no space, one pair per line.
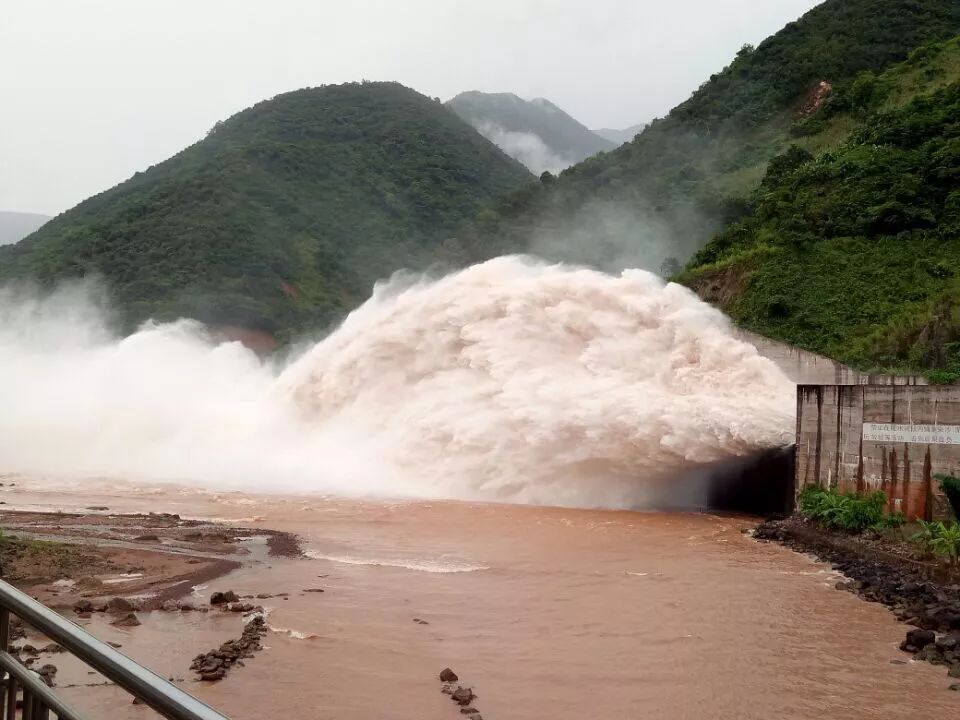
61,558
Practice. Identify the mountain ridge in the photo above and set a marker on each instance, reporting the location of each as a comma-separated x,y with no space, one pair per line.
284,215
536,132
689,175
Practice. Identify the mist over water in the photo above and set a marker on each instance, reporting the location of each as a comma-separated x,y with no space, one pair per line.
512,381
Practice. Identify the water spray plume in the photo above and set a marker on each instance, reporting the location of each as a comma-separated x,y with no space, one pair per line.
512,381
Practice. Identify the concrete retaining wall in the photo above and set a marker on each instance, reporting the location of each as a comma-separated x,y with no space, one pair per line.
803,366
912,433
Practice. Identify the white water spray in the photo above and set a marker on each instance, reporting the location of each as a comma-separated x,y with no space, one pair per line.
511,380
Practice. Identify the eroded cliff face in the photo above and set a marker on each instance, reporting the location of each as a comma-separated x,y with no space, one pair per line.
722,286
815,98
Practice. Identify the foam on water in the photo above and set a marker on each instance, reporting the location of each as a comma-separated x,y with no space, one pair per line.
511,381
419,564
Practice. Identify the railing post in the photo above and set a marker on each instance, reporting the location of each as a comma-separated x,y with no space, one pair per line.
9,683
11,697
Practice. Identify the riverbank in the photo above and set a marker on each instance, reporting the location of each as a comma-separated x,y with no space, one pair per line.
559,611
65,558
922,594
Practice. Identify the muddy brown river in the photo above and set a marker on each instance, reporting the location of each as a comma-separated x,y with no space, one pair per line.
567,614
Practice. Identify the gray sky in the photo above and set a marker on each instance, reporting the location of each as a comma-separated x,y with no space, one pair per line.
93,90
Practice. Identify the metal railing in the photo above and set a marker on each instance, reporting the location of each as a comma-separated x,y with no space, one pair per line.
39,701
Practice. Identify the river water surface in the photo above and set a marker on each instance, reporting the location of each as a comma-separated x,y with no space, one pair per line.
544,612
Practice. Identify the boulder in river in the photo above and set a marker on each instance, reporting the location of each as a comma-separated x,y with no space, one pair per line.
920,638
448,675
83,606
463,696
119,605
221,598
47,673
947,643
128,620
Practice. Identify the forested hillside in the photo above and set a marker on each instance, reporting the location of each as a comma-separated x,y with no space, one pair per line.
690,174
284,215
854,251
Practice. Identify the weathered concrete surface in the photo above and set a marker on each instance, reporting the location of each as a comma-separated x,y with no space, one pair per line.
833,452
806,367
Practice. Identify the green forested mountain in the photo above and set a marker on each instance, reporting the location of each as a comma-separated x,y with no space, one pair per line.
284,215
853,250
690,174
536,132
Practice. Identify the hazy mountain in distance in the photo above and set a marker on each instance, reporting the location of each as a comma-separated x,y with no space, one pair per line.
15,226
284,215
619,137
536,132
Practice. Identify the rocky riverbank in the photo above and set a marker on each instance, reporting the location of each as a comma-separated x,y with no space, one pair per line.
924,595
115,569
65,558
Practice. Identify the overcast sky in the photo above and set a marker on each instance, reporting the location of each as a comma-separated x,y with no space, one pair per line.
93,90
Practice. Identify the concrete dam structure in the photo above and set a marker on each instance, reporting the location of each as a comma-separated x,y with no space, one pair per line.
843,441
861,438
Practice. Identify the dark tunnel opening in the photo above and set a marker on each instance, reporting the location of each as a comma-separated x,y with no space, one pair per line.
762,484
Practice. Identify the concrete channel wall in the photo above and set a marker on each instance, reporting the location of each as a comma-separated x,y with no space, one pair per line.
803,366
894,438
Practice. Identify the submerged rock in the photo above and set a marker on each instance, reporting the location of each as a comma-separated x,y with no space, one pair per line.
920,638
463,696
214,665
119,604
222,598
47,673
128,620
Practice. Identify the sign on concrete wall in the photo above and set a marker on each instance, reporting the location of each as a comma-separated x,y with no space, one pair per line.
921,434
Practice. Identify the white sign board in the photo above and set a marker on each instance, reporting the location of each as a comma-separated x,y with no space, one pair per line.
921,434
